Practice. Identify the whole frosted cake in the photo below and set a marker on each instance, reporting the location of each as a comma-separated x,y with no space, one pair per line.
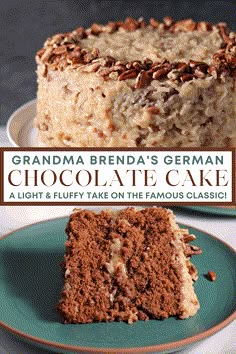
132,84
127,266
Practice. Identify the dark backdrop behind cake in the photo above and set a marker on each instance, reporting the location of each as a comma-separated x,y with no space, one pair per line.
24,26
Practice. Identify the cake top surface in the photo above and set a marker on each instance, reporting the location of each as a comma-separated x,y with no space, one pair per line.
134,49
155,44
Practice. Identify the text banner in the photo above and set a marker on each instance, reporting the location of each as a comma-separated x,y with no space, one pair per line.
59,176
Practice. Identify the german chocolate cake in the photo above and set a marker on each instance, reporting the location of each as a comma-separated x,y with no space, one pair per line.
127,266
137,84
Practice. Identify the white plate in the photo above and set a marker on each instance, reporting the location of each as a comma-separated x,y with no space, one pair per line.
20,127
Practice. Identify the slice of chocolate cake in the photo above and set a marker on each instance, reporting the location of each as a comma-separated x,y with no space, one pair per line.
125,266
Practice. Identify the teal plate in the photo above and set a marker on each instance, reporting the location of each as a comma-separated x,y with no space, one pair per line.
212,210
31,281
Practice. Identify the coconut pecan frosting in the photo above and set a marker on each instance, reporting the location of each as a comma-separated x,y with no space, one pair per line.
64,50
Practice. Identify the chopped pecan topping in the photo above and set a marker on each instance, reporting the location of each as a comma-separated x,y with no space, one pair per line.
212,71
70,46
68,39
40,52
62,50
113,26
200,74
109,61
87,58
154,23
104,72
75,57
182,67
173,75
154,110
168,21
211,275
147,62
79,33
129,74
231,59
189,238
161,73
224,31
193,271
143,79
95,53
130,24
96,29
187,25
118,67
186,77
194,63
204,26
191,250
47,55
44,70
135,65
199,69
57,38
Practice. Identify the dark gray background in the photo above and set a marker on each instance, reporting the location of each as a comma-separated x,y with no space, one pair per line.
24,26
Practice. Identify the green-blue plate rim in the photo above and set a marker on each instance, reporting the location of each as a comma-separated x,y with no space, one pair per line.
210,210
